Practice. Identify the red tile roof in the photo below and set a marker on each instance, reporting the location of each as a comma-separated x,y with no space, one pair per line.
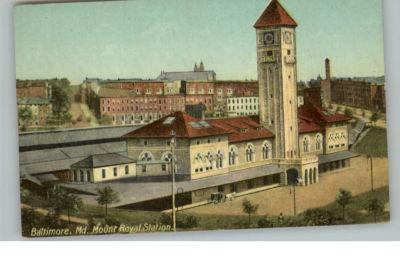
184,126
307,126
242,128
275,15
319,115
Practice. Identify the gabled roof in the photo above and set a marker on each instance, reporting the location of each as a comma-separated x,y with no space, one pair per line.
307,126
275,15
181,123
242,129
319,115
103,160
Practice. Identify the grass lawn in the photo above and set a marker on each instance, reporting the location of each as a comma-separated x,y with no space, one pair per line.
374,143
355,211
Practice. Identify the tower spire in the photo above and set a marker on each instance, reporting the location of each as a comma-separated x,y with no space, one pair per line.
275,15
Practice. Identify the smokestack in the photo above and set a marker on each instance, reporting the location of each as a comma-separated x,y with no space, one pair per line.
327,69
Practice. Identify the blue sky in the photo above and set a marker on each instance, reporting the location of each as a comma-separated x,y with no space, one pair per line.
139,38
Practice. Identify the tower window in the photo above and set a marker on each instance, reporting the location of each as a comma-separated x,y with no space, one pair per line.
289,52
269,53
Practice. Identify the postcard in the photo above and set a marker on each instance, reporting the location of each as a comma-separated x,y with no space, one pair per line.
187,115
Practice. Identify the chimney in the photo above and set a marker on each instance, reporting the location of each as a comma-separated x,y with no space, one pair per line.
327,69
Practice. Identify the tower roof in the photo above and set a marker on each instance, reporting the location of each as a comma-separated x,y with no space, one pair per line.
275,15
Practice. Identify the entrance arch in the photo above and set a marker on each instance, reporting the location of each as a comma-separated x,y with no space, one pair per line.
292,176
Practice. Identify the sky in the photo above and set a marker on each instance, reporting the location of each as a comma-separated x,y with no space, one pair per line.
139,38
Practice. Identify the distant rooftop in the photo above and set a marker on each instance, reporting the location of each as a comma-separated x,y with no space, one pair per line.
65,137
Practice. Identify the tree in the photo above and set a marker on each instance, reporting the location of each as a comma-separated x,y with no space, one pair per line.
60,104
25,117
105,120
343,199
106,197
348,112
249,208
315,217
374,206
374,117
61,200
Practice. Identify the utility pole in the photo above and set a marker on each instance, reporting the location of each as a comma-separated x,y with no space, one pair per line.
371,172
173,180
294,199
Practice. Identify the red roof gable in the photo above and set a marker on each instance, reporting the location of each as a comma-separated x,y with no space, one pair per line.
307,126
242,129
184,126
275,15
319,115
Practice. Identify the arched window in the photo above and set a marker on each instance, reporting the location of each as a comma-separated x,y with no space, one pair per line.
306,144
167,157
318,142
250,153
233,155
146,156
306,176
266,150
219,159
311,176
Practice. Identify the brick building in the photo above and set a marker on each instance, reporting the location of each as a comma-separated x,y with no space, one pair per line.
351,92
125,106
35,95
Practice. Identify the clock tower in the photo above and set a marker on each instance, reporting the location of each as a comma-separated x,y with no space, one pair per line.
277,78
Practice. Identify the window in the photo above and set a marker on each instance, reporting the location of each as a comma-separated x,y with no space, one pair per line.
88,176
115,171
232,156
75,176
103,173
81,175
145,143
289,52
306,144
318,144
265,180
219,163
126,169
250,153
220,189
266,150
146,156
144,168
269,53
163,167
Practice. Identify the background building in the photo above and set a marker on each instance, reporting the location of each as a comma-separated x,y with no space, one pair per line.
242,106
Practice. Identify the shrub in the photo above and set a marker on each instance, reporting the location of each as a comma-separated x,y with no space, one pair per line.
88,119
315,217
264,223
79,118
182,221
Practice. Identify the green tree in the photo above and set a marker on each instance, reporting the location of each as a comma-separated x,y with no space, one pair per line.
61,200
315,217
343,199
105,120
374,206
60,104
348,112
249,208
106,197
374,117
25,117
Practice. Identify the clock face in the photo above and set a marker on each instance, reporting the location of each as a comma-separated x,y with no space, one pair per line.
287,37
269,38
